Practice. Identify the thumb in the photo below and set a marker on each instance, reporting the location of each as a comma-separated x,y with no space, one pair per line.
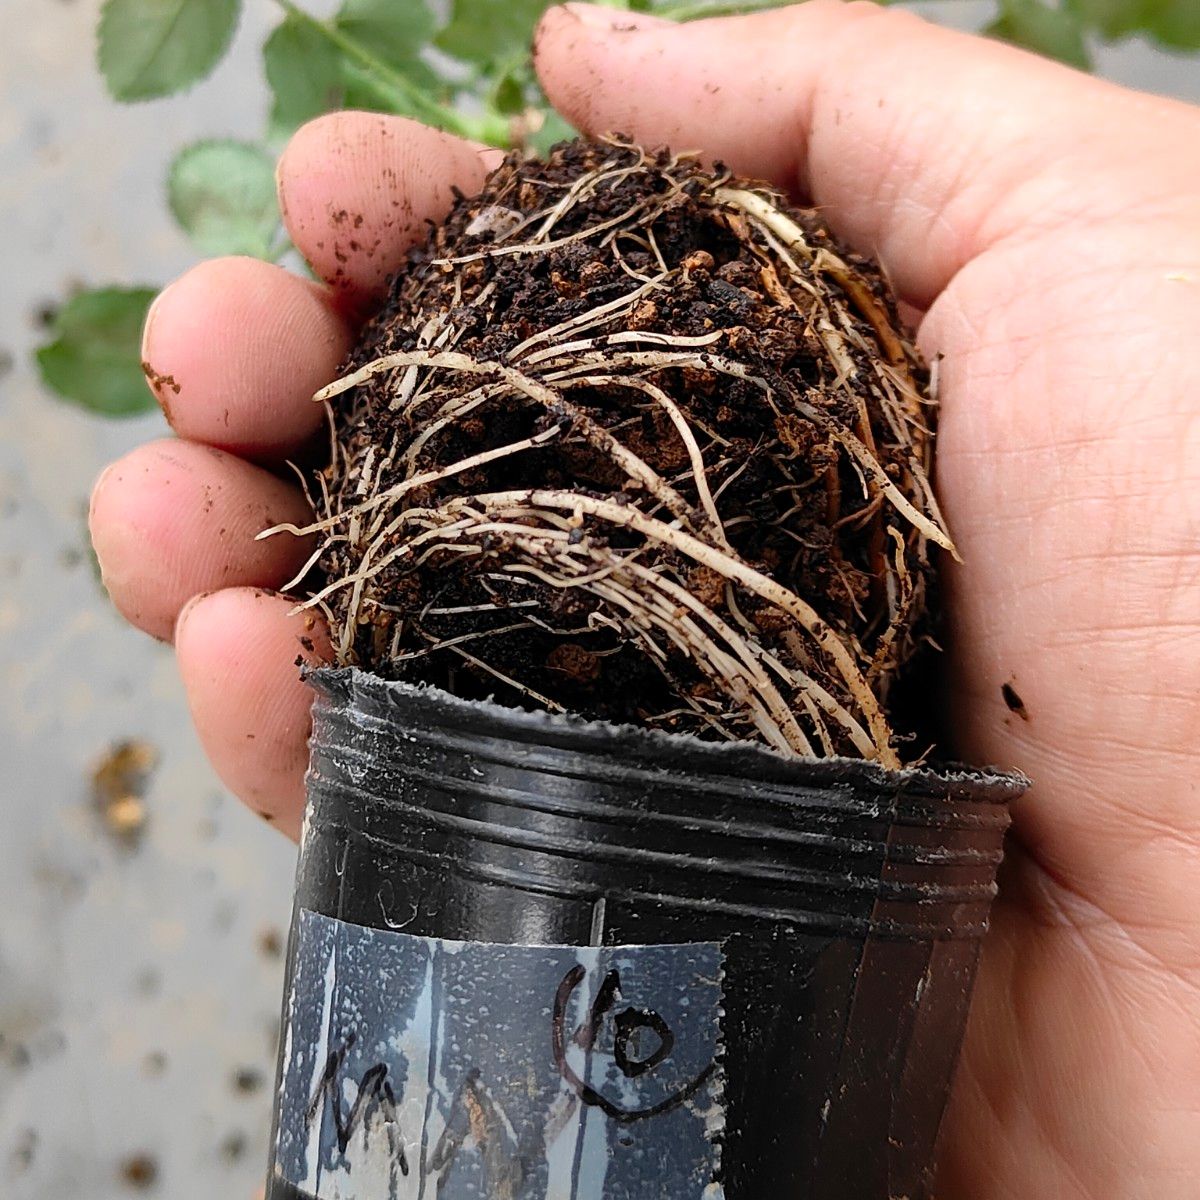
928,146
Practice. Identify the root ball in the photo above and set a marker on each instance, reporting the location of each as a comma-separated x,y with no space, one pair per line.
635,439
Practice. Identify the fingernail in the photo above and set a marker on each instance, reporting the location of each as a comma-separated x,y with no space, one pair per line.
491,157
186,610
281,185
612,20
92,532
151,313
100,480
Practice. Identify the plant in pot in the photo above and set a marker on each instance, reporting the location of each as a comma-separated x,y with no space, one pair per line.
622,874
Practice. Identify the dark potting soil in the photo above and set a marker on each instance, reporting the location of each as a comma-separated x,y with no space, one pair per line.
636,440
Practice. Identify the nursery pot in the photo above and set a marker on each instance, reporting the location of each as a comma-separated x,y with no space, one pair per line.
538,957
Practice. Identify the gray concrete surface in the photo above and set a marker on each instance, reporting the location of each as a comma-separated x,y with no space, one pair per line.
138,1002
110,959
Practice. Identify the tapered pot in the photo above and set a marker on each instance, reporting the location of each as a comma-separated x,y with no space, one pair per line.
539,957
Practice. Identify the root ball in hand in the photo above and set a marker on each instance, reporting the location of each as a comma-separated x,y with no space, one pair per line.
634,439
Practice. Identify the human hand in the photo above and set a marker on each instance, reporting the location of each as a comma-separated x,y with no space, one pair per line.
1048,227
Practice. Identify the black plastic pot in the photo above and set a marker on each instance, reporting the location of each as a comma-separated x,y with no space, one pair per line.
536,957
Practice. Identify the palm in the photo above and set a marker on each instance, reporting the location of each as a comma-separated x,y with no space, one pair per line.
1069,467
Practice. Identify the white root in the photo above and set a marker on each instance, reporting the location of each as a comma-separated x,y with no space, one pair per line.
680,422
754,581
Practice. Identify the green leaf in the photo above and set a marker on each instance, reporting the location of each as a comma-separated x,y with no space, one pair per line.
394,31
306,75
95,357
1054,32
223,195
508,93
554,129
1110,18
1177,24
1172,22
315,66
151,48
362,88
486,32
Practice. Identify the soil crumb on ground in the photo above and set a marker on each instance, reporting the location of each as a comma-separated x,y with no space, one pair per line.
119,783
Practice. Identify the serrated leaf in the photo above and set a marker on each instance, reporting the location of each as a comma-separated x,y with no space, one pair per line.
95,358
315,67
223,196
150,48
394,31
305,73
486,32
1055,32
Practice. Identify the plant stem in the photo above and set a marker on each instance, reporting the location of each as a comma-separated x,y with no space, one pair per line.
488,127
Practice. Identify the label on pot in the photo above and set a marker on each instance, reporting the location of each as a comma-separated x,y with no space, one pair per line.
422,1069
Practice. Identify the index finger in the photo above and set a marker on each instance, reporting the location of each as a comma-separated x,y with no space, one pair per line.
358,189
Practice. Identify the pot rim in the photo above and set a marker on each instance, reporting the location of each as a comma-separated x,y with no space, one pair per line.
637,746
